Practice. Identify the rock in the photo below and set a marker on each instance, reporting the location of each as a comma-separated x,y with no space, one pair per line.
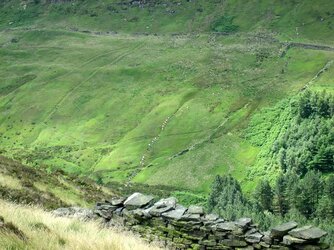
177,227
162,206
156,211
251,231
308,233
283,229
74,212
234,242
104,214
191,217
106,206
116,201
195,210
220,220
169,202
209,243
138,200
226,226
175,214
264,245
243,222
267,238
211,217
219,234
118,211
254,238
289,240
138,213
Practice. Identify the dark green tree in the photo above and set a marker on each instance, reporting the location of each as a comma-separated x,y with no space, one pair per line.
226,198
281,199
307,193
264,195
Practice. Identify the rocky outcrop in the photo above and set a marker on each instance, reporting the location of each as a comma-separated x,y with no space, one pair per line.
178,227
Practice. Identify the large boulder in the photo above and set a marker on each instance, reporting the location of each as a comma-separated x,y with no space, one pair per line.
281,230
138,200
308,233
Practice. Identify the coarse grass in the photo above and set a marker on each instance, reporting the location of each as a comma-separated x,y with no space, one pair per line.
9,181
44,231
24,184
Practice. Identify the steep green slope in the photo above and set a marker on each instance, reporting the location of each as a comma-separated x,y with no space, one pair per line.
159,109
26,185
298,19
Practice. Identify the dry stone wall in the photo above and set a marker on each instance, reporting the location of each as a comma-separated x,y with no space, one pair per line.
178,227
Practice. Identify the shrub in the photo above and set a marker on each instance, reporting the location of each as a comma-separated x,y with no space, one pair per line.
225,24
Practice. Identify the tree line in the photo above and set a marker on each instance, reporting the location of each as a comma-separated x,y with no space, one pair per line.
304,188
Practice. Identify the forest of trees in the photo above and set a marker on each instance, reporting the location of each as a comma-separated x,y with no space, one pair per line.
308,143
304,190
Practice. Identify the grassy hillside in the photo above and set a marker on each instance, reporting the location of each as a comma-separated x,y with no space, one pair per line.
156,108
302,20
28,227
26,185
